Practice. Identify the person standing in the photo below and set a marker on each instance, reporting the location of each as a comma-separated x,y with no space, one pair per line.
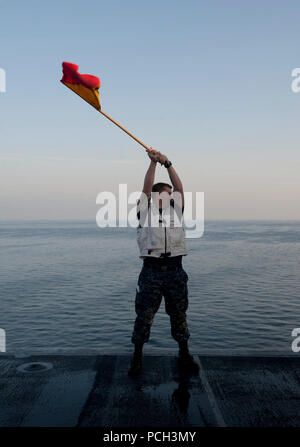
161,247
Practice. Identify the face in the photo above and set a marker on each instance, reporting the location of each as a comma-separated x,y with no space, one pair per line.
165,195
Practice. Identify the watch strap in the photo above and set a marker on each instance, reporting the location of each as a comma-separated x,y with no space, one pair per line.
167,164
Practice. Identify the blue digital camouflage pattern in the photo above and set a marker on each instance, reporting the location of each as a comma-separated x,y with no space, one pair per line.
152,286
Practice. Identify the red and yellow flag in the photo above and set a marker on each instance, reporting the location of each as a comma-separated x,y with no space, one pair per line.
86,86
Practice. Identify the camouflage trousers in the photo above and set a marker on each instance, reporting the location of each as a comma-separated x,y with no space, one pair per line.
151,286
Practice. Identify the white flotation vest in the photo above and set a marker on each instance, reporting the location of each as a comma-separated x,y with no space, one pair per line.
166,240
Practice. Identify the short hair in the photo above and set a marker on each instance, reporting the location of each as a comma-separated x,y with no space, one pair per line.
159,186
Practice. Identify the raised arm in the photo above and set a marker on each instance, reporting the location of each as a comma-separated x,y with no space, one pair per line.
150,174
175,180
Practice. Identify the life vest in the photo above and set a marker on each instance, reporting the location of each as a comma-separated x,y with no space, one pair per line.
158,241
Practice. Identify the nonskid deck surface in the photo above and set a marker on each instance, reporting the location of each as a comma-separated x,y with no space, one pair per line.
95,390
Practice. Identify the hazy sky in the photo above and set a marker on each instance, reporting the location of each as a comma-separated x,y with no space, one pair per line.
208,83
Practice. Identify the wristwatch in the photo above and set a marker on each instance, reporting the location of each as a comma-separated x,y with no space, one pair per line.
167,164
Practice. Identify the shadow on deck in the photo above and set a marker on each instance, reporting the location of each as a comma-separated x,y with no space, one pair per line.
94,390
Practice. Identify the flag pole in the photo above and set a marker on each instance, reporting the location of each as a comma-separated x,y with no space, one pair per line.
123,128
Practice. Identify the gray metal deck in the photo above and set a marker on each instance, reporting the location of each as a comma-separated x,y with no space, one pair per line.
95,390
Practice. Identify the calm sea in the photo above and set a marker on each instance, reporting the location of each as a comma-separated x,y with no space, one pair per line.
70,287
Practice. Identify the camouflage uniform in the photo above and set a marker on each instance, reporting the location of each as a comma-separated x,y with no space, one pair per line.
152,285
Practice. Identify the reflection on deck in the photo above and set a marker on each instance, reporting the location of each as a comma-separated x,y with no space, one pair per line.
77,390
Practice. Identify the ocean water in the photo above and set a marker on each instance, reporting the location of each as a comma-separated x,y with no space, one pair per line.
70,287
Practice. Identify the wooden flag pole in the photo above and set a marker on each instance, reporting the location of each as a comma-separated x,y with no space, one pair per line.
128,133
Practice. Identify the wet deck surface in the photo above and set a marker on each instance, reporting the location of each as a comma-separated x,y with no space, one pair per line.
96,391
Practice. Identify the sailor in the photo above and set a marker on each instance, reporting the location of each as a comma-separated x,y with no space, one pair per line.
160,238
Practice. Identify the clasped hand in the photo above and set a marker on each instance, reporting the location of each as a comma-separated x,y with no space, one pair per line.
157,156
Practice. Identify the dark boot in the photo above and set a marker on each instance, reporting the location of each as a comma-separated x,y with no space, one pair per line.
136,362
186,360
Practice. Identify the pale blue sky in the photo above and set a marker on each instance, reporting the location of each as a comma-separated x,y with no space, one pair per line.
206,82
